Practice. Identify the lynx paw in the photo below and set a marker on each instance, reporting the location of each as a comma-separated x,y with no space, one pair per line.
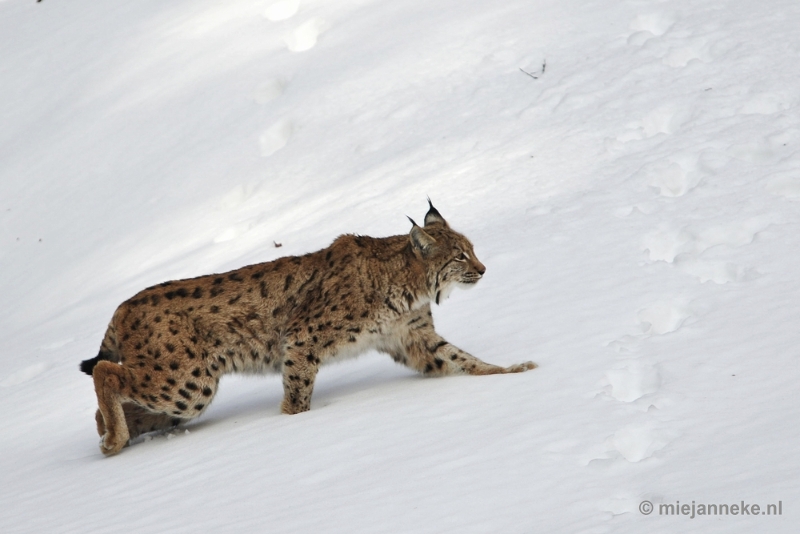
111,445
289,408
521,367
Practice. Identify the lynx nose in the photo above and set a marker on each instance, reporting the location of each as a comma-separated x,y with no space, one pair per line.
481,268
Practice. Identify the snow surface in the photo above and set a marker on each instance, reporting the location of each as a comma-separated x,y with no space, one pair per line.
636,205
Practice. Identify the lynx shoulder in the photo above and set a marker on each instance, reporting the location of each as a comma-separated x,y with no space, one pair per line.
166,348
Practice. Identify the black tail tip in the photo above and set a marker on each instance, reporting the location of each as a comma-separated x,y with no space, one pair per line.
87,366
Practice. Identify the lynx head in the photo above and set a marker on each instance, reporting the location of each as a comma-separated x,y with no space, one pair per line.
448,256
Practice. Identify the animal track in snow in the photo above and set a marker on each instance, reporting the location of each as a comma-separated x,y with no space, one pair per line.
632,380
626,344
275,137
654,25
637,443
633,133
719,272
684,248
647,26
666,119
682,55
304,37
663,317
673,180
679,173
673,177
633,443
667,243
645,208
269,90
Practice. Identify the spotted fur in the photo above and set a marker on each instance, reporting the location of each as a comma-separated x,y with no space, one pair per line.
166,348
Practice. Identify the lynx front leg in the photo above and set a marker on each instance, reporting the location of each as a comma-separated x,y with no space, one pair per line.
438,357
299,372
426,351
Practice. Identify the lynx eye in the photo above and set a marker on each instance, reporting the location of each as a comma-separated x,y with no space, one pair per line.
462,257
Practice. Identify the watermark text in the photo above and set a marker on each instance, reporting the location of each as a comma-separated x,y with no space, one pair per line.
695,509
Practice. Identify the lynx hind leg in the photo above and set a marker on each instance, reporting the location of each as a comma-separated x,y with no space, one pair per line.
109,383
141,420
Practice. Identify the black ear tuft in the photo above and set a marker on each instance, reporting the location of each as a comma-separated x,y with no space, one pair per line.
413,223
433,216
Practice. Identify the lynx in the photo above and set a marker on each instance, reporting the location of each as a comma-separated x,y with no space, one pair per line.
166,348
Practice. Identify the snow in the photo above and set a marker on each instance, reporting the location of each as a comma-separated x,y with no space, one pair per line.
635,205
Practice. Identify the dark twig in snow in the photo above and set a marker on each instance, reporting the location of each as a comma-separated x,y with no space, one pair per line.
544,66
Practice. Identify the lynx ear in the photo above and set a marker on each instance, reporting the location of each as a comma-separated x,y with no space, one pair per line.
420,239
433,216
